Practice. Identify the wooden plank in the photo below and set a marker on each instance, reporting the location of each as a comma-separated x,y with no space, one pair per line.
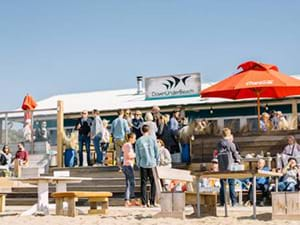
278,204
60,133
98,199
2,203
59,206
174,174
293,203
82,194
72,212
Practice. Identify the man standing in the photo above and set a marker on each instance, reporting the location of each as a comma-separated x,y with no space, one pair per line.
119,129
227,155
137,123
147,157
83,126
96,135
174,129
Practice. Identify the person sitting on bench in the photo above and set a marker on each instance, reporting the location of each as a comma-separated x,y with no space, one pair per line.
21,159
5,158
291,176
262,184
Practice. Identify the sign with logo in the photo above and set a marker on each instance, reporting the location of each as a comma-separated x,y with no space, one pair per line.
173,86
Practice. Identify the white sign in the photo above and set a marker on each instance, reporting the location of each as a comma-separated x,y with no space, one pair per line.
173,86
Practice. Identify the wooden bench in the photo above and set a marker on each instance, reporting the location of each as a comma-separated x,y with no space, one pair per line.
2,203
208,200
94,198
5,187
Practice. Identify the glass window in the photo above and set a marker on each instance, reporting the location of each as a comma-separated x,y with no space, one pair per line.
232,124
252,124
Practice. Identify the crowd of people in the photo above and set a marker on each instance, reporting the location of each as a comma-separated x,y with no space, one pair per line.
227,156
146,142
273,121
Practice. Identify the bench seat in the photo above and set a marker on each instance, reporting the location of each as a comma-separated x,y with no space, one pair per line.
94,198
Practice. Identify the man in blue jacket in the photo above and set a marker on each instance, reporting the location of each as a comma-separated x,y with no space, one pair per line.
147,157
262,184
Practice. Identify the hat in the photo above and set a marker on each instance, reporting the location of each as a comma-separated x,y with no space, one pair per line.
214,160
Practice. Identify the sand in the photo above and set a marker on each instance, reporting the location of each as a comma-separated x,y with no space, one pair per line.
121,215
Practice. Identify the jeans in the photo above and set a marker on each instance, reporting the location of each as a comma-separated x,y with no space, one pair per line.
264,189
145,174
87,141
104,147
97,146
286,186
130,182
231,191
119,153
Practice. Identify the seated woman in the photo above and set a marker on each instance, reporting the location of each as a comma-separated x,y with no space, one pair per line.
290,176
262,184
5,158
265,123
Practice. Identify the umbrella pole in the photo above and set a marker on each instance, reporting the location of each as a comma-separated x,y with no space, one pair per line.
258,111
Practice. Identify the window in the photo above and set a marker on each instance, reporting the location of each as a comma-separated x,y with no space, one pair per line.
232,124
252,124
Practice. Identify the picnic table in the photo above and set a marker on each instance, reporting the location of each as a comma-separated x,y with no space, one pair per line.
42,183
243,174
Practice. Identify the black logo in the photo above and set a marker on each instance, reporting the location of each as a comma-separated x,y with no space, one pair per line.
174,83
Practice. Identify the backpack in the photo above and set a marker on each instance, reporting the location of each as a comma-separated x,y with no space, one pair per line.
3,160
70,157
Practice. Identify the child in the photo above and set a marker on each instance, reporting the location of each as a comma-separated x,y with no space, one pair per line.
128,170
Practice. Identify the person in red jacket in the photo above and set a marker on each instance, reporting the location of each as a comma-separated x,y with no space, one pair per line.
21,159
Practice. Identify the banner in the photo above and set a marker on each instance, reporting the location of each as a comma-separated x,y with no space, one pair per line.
173,86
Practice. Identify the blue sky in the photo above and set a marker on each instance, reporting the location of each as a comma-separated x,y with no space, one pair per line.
66,46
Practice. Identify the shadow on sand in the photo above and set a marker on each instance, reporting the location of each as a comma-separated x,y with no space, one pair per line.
259,217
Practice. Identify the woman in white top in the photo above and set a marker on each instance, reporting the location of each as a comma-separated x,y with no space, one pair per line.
164,154
105,138
151,124
5,158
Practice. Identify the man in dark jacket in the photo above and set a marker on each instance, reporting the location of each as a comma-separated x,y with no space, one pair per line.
83,126
227,156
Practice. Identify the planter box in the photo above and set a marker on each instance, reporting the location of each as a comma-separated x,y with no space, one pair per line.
286,205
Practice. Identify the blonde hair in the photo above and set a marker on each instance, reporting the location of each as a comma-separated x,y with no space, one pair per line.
149,116
105,122
226,133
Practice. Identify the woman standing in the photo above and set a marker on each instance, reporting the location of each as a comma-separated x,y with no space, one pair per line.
128,170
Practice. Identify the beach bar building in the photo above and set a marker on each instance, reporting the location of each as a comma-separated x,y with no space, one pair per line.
169,93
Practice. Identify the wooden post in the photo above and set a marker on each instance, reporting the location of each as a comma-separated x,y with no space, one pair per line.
258,111
254,195
294,119
60,133
1,130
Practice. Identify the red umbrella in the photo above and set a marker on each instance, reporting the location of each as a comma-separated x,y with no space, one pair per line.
256,80
28,105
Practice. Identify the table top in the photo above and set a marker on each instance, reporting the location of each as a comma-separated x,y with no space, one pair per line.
52,180
268,158
242,174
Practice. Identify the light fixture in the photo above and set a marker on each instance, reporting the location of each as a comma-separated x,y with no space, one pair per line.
211,111
266,107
